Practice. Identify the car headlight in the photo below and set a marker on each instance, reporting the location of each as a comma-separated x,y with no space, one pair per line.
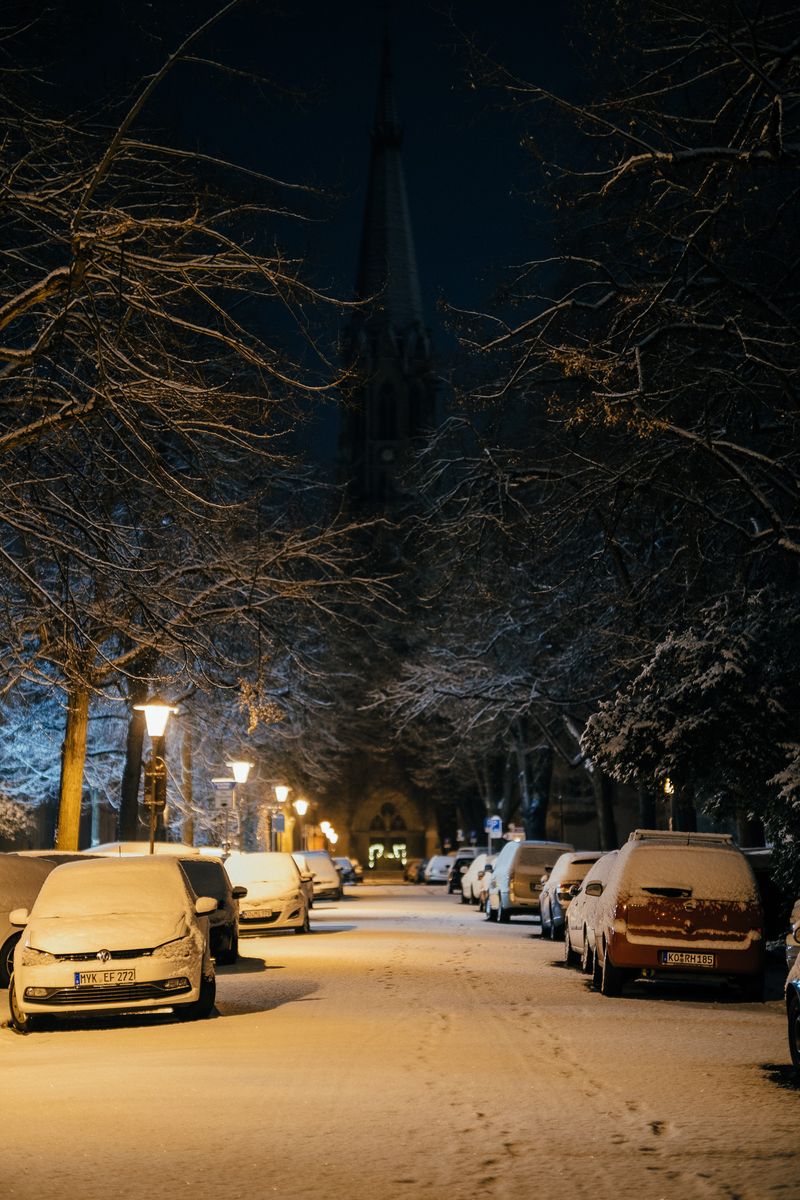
31,957
180,948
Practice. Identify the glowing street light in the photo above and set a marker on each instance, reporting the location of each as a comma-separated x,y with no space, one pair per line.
156,714
240,771
281,796
301,806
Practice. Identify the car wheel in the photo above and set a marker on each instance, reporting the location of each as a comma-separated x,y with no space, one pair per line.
464,899
793,1013
203,1006
611,978
597,974
305,927
545,930
586,955
231,953
7,959
570,957
491,915
21,1021
503,914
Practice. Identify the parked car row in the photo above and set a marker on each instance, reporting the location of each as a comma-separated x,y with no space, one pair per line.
148,930
665,906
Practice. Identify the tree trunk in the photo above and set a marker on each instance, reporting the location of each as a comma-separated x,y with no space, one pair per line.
749,829
129,828
603,788
187,785
73,758
647,807
541,777
683,816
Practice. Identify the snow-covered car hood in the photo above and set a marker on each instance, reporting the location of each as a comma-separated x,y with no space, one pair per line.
259,890
116,931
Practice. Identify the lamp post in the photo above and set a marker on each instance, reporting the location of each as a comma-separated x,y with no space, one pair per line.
281,795
240,771
300,806
156,714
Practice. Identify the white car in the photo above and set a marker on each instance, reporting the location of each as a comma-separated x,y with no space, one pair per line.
471,879
113,936
327,878
579,930
517,878
438,868
275,897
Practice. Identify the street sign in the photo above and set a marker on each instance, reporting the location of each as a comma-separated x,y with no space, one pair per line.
155,783
493,826
223,792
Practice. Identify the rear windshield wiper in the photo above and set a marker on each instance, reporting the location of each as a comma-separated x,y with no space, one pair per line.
669,892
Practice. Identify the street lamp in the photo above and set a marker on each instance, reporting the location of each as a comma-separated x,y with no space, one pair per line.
240,770
156,714
300,806
281,796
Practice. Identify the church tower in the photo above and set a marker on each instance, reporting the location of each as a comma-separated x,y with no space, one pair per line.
387,348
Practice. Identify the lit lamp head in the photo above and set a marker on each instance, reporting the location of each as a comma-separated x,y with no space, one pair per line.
240,770
300,806
332,836
281,792
325,826
156,714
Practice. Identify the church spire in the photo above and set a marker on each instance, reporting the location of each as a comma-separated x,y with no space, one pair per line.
388,264
393,397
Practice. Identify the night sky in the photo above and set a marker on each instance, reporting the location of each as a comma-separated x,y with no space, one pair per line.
464,168
465,171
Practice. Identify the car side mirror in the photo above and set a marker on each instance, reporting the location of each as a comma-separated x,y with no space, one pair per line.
573,891
204,905
18,917
239,892
595,888
795,931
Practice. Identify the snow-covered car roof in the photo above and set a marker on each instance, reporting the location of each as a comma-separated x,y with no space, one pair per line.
123,849
142,885
711,871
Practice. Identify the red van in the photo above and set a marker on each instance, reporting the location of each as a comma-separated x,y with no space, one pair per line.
679,904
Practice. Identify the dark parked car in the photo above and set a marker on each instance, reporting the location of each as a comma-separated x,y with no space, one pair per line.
346,870
20,881
461,864
208,877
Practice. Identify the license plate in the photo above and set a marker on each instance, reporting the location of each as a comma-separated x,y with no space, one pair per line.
103,978
263,913
684,958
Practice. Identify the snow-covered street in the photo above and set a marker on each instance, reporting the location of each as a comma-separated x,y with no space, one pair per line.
407,1048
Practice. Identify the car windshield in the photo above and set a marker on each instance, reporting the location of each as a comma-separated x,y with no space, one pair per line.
111,887
579,869
20,879
206,878
538,856
262,868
